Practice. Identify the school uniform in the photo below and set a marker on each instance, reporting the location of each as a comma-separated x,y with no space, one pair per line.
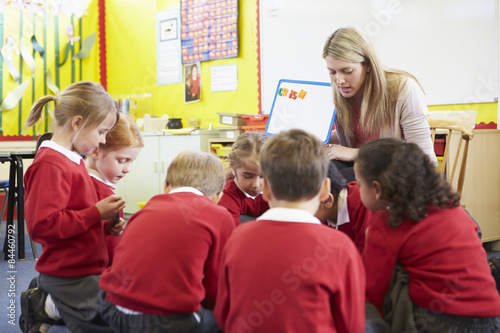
104,189
239,202
61,215
353,217
445,260
288,273
167,262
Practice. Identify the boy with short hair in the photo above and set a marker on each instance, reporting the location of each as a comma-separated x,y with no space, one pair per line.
343,209
287,272
167,263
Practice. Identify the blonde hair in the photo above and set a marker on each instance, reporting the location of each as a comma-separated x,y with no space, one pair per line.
84,98
201,170
245,149
381,87
125,134
295,165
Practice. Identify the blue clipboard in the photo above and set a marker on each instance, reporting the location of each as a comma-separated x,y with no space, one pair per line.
302,105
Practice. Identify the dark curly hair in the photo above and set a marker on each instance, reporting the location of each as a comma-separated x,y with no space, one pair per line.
408,179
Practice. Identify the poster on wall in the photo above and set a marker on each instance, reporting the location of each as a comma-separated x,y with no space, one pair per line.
209,29
168,46
192,82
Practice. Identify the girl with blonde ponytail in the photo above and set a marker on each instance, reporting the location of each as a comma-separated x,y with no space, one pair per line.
63,212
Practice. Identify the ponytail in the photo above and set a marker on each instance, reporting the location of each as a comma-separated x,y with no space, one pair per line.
36,110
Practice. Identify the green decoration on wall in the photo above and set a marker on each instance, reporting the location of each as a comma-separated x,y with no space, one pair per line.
14,97
87,45
37,46
49,82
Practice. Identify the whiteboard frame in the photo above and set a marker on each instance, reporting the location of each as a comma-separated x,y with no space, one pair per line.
299,121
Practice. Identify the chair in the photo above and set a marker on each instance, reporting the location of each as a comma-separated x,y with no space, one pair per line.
456,149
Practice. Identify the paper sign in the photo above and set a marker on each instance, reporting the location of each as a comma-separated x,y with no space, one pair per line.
302,105
224,78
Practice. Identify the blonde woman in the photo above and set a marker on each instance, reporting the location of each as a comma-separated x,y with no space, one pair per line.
371,101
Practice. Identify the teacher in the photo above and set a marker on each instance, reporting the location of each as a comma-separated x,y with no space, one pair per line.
371,101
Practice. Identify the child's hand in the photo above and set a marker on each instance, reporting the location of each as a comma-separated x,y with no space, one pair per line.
114,229
110,206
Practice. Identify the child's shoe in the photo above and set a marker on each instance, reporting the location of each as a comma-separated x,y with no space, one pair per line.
33,313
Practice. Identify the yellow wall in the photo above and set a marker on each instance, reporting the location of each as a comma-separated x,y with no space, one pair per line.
131,41
487,112
131,60
12,19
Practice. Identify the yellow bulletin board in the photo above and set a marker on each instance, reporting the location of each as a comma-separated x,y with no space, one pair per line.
22,26
131,43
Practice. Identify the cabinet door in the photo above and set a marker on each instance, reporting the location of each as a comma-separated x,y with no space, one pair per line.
171,146
143,180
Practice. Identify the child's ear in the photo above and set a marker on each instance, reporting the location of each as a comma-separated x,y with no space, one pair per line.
378,189
328,202
96,153
215,199
325,190
166,187
77,122
266,190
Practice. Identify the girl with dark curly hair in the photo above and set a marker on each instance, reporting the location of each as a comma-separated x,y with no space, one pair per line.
419,226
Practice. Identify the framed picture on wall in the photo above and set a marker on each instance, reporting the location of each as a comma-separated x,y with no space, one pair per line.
168,29
192,82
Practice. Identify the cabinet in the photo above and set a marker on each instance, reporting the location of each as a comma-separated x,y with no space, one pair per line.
148,172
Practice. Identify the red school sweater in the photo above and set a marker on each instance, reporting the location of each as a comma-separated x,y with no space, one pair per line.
445,260
237,203
61,215
104,190
290,277
168,258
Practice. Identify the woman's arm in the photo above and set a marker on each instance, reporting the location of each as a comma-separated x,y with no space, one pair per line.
413,117
338,152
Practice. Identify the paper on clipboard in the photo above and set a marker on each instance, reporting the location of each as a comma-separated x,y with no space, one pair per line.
302,105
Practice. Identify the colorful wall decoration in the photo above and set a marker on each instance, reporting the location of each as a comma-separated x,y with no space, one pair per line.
45,46
209,29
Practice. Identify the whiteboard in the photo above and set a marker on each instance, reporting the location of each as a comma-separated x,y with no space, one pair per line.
302,105
450,46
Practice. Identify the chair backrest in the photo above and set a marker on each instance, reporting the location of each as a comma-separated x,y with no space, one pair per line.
456,149
41,138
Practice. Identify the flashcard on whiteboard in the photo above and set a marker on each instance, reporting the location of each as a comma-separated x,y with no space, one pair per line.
303,105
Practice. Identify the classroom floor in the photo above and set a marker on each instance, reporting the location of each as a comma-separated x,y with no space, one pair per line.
23,272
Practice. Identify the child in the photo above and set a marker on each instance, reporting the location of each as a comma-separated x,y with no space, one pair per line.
343,208
63,212
419,226
166,265
287,272
242,193
111,162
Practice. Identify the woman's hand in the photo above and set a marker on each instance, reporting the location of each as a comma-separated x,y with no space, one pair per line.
338,152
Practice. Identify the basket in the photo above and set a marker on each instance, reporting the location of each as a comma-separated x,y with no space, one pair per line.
256,119
439,145
231,119
221,150
230,132
258,129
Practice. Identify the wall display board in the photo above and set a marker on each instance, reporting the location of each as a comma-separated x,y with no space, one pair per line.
451,46
209,29
303,105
